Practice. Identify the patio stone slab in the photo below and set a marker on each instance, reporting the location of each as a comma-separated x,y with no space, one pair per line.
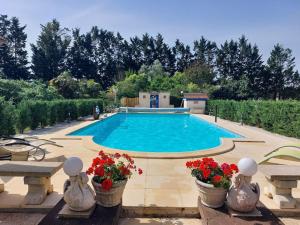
142,196
65,212
15,203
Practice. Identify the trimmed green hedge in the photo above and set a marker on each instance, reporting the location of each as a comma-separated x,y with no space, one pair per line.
282,117
7,117
34,114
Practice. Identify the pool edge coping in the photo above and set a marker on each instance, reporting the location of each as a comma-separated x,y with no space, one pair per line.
227,144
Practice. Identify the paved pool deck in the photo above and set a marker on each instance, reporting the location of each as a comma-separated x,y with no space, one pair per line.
166,186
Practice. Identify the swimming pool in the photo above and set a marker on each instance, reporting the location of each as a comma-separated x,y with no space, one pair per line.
143,132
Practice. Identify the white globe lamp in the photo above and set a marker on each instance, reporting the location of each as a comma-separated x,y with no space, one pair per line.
247,167
73,166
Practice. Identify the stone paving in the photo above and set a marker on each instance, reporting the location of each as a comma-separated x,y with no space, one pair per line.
166,184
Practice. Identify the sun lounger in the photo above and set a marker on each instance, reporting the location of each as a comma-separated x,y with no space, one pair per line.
20,149
20,152
33,140
288,152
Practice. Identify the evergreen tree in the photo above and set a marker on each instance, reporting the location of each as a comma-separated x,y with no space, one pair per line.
79,60
205,51
135,51
183,55
5,57
280,73
49,53
240,68
13,55
17,39
164,54
148,49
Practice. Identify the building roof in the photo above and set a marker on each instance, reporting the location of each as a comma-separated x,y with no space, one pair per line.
195,95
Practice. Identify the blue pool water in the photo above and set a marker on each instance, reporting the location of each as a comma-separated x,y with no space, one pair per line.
155,132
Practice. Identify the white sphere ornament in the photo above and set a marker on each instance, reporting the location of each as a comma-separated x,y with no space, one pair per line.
247,167
73,166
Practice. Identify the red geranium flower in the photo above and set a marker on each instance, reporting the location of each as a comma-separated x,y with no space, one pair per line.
206,173
110,161
216,179
99,171
107,184
213,165
90,170
111,168
234,168
189,164
140,171
209,171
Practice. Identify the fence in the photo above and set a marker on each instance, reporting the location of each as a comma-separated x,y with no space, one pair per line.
129,102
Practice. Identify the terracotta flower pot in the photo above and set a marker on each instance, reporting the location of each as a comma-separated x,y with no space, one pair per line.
211,196
110,198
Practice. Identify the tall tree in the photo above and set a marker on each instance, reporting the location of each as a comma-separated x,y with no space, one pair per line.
13,55
148,49
5,57
79,57
17,39
164,54
182,54
281,72
49,53
205,52
240,68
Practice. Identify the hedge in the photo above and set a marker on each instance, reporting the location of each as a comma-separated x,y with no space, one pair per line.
34,114
282,117
7,117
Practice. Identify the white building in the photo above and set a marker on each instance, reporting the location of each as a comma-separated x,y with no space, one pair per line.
195,101
154,100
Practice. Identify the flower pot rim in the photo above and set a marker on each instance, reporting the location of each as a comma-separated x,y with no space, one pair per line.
207,185
115,184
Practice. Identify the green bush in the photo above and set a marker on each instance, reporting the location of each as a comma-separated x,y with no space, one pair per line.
36,114
7,117
24,116
282,117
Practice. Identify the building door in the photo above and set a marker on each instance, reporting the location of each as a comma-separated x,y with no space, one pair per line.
154,101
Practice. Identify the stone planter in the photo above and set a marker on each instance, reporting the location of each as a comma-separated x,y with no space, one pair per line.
211,196
110,198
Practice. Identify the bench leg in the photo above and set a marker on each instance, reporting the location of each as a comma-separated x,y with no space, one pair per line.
281,192
38,188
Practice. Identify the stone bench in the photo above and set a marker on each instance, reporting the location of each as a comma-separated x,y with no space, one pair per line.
281,179
37,175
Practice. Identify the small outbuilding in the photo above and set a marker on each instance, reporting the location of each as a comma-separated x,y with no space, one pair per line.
195,101
154,99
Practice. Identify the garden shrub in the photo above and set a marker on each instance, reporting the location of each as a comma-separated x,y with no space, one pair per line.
36,114
24,116
282,117
7,117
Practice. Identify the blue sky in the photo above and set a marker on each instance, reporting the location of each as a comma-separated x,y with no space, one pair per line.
264,22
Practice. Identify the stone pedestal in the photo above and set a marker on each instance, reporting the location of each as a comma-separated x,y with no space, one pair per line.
38,188
281,192
66,212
